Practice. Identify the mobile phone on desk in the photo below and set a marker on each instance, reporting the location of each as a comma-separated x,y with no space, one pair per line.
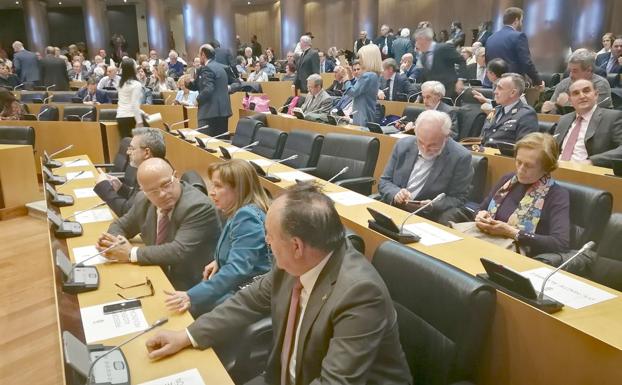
122,306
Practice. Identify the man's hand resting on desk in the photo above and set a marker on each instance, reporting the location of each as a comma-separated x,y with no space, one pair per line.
166,343
120,253
401,197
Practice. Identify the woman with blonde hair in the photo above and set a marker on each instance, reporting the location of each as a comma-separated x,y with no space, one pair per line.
161,81
184,96
241,252
365,91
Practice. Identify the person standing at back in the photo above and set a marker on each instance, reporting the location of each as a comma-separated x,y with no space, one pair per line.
129,114
365,91
212,83
511,45
307,64
26,65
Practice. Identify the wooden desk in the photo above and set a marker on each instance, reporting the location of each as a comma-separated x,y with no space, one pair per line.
327,79
525,346
142,369
18,178
170,114
278,92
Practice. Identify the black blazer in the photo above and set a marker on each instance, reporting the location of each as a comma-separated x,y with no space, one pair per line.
453,114
444,62
401,88
520,121
603,138
307,64
54,71
120,201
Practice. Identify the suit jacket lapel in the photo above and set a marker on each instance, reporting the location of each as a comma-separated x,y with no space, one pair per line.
594,122
564,130
151,224
409,162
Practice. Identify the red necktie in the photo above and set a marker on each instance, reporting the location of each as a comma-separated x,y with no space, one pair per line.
288,340
572,140
162,227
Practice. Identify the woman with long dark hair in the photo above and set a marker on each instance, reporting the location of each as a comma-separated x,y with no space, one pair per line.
129,115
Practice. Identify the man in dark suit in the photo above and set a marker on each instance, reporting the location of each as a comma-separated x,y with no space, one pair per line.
512,118
145,143
393,85
26,66
332,316
54,71
408,67
483,32
402,45
177,223
214,103
385,42
439,61
477,70
423,166
362,40
591,134
307,64
457,35
225,57
511,45
326,65
610,62
91,95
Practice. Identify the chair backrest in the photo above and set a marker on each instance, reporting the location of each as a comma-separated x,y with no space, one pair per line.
17,135
271,142
193,178
471,120
63,96
358,152
612,78
121,159
260,117
71,112
412,112
32,96
48,113
607,268
443,313
546,127
590,209
355,240
107,115
245,132
113,96
478,183
306,145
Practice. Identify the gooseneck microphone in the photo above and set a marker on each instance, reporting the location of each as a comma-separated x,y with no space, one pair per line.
343,171
430,203
588,246
113,246
295,156
89,209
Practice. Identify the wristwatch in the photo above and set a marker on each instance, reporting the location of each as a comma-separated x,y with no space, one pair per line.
517,236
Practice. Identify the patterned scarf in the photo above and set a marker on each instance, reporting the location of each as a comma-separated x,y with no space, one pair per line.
527,214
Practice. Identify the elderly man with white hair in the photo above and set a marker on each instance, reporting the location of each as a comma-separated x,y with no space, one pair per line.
432,93
26,65
408,67
402,45
425,165
308,63
318,101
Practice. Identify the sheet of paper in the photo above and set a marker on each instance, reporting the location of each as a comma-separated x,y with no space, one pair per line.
99,326
293,175
95,215
399,135
84,193
188,377
262,162
76,163
84,175
567,290
189,132
84,252
431,235
349,198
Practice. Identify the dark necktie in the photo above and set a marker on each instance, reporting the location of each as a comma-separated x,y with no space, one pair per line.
572,140
110,83
288,339
389,89
162,231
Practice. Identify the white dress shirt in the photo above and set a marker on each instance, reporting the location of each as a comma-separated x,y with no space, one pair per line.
579,153
419,175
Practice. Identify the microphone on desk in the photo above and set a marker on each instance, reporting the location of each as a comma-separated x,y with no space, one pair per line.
295,156
455,101
430,203
265,174
52,155
588,246
85,115
46,109
18,86
168,98
46,100
74,177
154,325
49,87
203,144
343,171
228,155
169,127
604,100
89,209
113,246
413,95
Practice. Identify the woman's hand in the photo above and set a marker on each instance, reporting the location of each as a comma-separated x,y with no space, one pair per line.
177,301
483,216
498,228
210,270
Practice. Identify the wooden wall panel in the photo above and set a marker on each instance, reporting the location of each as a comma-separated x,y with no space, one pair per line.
260,20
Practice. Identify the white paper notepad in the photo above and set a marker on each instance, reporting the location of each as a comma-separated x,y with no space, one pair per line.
99,326
77,175
76,163
84,252
188,377
567,290
95,215
293,175
262,162
349,198
84,193
431,235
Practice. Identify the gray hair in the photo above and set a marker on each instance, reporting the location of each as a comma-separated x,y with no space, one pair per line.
405,32
152,139
306,39
442,120
517,80
436,87
316,79
390,63
17,45
426,33
584,57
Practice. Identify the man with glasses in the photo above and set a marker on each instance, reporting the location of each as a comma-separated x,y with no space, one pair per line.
177,223
119,196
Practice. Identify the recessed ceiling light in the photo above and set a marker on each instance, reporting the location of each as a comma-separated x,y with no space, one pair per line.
249,3
17,2
60,3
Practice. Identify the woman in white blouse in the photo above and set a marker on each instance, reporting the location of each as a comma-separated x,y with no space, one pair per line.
129,114
185,97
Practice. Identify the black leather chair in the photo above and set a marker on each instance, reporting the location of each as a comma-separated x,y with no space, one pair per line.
263,118
17,135
306,144
478,183
113,96
107,115
32,96
271,142
245,132
48,113
121,160
550,79
443,313
63,96
471,120
80,113
358,152
546,127
590,210
193,178
299,103
412,112
607,268
613,79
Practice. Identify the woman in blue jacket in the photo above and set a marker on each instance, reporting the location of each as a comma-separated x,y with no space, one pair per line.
365,91
241,252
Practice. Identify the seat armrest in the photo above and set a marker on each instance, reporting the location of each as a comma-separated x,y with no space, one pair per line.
360,185
308,170
120,175
375,196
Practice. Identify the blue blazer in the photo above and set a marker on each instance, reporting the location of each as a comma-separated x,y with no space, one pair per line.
241,254
365,94
100,95
513,47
